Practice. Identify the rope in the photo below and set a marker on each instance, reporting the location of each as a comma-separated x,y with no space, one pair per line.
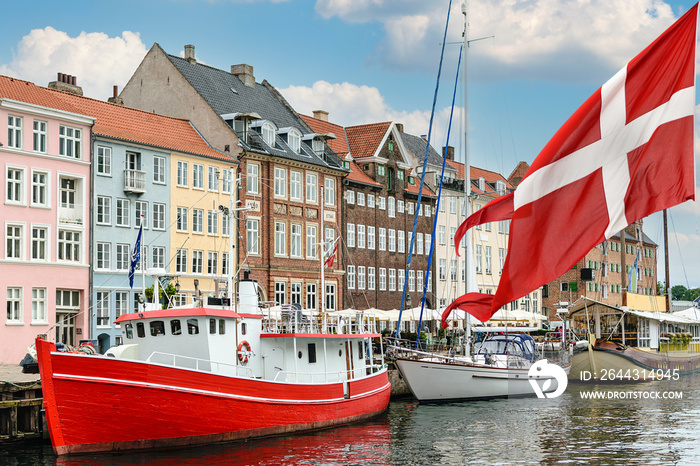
422,178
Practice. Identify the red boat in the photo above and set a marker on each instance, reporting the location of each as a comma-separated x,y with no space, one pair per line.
188,376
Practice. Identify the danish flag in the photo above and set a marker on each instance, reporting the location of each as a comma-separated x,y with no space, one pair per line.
626,153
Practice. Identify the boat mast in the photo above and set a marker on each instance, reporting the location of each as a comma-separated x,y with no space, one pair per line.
668,273
229,263
467,174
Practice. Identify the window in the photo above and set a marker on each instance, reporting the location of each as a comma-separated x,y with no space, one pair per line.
141,214
453,270
69,141
181,261
295,185
382,239
427,243
392,207
212,262
213,222
351,277
409,208
501,259
280,239
401,280
441,269
281,292
181,221
225,224
411,280
478,258
419,243
158,257
14,131
392,279
104,161
224,264
330,191
360,277
426,210
382,202
280,182
158,216
253,178
350,196
330,296
213,179
381,170
371,237
268,133
197,176
487,257
311,241
370,201
69,245
103,210
399,206
401,240
121,303
39,304
361,236
371,278
15,185
40,136
158,169
103,256
39,243
295,241
392,240
453,232
419,280
197,221
197,261
311,188
40,191
360,199
123,256
102,308
182,174
295,293
13,242
351,235
311,296
123,207
14,305
252,236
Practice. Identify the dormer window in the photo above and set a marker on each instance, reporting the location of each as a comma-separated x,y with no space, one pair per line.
500,188
268,133
482,184
294,140
317,146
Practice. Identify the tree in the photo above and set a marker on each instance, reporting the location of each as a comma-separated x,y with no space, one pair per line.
163,298
660,289
678,293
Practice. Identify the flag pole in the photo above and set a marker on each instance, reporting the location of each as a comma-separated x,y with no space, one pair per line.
143,265
668,274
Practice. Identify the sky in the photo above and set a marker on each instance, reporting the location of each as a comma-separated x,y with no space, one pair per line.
531,64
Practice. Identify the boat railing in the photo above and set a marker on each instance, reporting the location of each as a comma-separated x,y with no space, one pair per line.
326,377
204,365
289,319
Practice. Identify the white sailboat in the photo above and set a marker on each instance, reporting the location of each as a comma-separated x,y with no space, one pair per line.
503,364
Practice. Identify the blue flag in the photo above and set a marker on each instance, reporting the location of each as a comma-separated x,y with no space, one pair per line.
135,257
633,275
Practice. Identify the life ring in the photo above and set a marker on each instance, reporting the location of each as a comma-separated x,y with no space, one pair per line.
243,355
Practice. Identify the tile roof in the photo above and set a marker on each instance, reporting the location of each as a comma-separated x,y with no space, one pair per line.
116,121
416,145
413,189
364,140
225,93
340,144
358,175
476,173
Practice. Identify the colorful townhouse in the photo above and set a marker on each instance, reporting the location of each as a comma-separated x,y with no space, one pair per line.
379,202
45,252
290,179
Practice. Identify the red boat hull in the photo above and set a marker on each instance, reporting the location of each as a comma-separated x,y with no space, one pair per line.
96,404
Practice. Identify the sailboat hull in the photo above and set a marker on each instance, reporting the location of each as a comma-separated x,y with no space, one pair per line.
96,403
431,381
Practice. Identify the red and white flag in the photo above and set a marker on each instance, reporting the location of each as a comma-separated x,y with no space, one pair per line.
626,153
331,257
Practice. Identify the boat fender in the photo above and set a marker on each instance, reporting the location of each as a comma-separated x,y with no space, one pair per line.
243,354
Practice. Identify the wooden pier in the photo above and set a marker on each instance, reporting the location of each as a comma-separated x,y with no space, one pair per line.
20,405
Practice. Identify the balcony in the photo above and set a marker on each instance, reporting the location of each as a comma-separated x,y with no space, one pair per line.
134,181
70,214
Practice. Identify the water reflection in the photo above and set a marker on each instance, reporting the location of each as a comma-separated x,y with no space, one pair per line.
568,429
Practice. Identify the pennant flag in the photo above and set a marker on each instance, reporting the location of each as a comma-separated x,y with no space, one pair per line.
626,153
633,275
331,257
135,257
500,208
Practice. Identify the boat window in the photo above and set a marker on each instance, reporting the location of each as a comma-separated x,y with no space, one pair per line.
244,328
222,326
175,327
129,331
300,354
140,330
192,326
212,326
157,328
360,348
312,353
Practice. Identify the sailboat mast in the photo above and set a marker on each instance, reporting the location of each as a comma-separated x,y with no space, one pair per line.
467,174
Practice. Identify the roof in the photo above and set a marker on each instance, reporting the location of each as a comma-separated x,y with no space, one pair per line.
359,176
414,189
116,121
364,140
226,94
489,176
340,144
416,145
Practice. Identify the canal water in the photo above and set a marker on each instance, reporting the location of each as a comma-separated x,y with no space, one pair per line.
637,423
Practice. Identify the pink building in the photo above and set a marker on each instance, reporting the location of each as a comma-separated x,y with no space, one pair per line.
45,216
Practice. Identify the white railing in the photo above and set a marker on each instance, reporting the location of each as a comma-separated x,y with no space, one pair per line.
72,215
289,320
134,181
204,365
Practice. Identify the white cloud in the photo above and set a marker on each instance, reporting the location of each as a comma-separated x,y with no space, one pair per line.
349,104
97,60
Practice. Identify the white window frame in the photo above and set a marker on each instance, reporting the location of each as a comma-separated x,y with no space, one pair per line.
158,216
197,261
280,182
159,176
41,187
181,219
212,179
311,188
360,199
401,241
311,241
212,262
351,277
182,173
213,222
67,242
70,141
295,190
14,305
197,176
104,161
40,303
253,235
42,243
123,213
329,191
295,246
40,136
198,221
103,256
280,239
17,238
350,196
371,238
371,278
158,257
382,239
15,138
350,235
15,187
123,256
253,178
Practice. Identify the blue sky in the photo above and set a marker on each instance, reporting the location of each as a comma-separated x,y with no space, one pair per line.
373,60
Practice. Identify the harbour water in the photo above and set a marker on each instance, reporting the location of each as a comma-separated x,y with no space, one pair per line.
639,423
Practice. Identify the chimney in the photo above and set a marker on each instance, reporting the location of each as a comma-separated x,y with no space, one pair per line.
399,127
244,73
65,82
321,115
115,99
450,154
189,54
